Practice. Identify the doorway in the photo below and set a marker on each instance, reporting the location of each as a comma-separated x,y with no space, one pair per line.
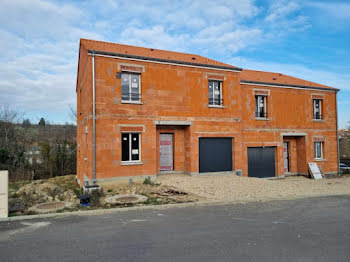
286,156
166,152
261,162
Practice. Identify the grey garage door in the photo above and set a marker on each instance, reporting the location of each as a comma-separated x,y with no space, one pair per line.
215,154
261,161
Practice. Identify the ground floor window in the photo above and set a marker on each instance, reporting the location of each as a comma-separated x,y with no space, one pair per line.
318,150
131,146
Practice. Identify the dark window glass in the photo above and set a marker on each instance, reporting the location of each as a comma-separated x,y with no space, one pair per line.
130,87
214,92
135,87
260,106
125,147
135,154
318,149
125,86
317,109
211,88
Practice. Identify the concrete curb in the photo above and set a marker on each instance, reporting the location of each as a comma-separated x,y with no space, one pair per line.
109,211
156,207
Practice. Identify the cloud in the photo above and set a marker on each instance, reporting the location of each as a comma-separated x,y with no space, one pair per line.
153,37
280,10
339,80
225,40
284,17
335,10
39,39
39,53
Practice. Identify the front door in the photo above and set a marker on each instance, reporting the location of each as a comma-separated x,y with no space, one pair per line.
286,156
166,152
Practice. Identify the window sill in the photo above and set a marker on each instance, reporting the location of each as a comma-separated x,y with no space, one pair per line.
262,119
131,163
318,120
216,106
320,159
131,102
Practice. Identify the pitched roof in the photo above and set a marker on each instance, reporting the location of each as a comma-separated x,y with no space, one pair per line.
154,54
261,77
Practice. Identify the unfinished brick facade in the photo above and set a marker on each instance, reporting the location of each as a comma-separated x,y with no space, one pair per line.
174,100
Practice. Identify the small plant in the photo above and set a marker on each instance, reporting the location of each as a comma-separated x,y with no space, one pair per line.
109,190
148,181
77,192
15,195
153,201
95,197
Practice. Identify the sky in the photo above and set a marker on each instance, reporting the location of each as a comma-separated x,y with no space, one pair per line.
39,42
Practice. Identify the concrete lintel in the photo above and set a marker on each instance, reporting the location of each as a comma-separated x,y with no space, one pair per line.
293,134
172,123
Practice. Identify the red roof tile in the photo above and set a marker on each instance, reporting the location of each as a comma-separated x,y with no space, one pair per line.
278,78
151,53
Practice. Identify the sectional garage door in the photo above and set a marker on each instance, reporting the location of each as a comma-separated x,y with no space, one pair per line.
261,161
215,154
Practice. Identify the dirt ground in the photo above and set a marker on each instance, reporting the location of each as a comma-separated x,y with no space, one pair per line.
26,194
171,189
245,189
157,194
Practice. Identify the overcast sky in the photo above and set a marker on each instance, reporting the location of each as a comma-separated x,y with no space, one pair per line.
40,40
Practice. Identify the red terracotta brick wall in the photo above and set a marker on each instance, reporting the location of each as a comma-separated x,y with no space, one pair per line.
180,93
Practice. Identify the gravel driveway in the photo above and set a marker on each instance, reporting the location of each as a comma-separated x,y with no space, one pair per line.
245,189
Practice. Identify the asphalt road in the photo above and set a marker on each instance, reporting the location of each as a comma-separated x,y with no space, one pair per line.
314,229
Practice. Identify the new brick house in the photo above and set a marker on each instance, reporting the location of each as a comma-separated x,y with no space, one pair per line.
143,112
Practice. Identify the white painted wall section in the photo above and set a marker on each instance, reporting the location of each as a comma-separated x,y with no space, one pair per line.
4,191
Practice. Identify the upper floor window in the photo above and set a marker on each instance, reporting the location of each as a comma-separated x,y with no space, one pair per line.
318,150
131,146
215,92
131,89
317,104
260,106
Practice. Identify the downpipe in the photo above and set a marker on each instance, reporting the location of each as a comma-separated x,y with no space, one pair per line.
93,122
336,108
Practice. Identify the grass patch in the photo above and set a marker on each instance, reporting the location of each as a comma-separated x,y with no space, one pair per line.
149,182
153,201
66,182
14,186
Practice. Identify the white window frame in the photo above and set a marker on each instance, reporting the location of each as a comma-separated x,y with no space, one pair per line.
220,89
265,105
314,107
130,101
130,147
315,150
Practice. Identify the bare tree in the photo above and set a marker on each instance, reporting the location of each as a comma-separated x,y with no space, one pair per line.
73,113
8,117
